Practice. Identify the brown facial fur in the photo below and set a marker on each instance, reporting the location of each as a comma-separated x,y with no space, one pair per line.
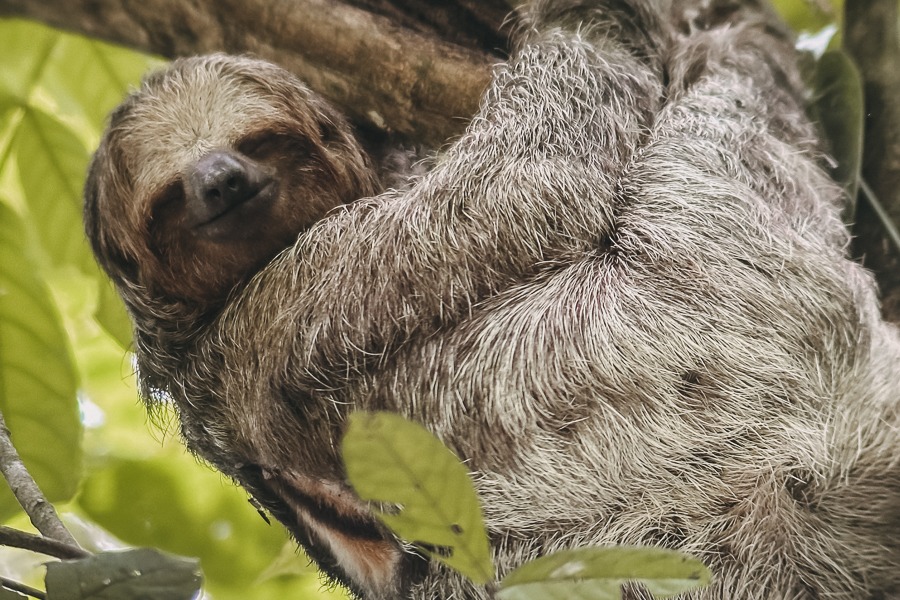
139,179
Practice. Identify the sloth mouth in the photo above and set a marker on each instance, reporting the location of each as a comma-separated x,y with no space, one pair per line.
236,212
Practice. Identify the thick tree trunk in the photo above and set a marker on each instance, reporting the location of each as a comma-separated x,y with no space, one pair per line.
392,66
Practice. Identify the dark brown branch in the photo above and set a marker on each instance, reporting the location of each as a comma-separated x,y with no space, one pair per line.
871,37
22,588
36,543
469,23
381,74
42,514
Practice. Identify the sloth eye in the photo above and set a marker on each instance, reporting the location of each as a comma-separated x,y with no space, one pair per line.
268,144
264,144
261,145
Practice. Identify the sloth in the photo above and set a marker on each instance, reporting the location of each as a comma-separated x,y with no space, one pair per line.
622,297
254,159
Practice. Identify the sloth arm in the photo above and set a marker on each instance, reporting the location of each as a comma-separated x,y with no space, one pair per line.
531,183
534,185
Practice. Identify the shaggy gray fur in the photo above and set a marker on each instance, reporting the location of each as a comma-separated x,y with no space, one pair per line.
622,297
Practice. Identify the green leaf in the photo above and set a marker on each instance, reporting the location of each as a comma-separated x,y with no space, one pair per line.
91,78
52,163
111,313
25,47
123,496
393,460
839,109
67,74
143,573
803,14
599,573
37,376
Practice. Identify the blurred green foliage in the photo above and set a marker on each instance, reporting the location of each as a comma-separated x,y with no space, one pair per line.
809,15
37,375
63,330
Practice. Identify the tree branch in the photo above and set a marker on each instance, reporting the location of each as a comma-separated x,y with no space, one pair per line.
872,38
36,543
381,74
42,514
469,23
22,588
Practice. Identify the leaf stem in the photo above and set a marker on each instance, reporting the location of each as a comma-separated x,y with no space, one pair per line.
882,214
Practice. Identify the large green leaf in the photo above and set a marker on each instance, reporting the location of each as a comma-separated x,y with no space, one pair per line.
111,313
807,15
25,48
599,573
92,77
52,162
71,75
37,377
393,460
839,109
143,573
63,85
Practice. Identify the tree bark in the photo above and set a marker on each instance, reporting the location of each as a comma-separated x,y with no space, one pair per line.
41,513
391,71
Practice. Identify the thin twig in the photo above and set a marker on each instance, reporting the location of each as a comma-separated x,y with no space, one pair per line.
885,219
22,588
36,543
42,514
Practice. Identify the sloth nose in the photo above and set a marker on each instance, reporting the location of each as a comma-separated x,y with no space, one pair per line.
221,180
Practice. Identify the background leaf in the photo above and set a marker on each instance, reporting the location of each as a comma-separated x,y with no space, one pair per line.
390,459
838,107
25,48
89,78
37,377
599,573
143,573
111,313
52,162
74,77
808,15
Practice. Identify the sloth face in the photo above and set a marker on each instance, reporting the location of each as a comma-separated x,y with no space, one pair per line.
211,169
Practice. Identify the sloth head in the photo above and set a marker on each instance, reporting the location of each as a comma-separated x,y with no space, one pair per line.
208,171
